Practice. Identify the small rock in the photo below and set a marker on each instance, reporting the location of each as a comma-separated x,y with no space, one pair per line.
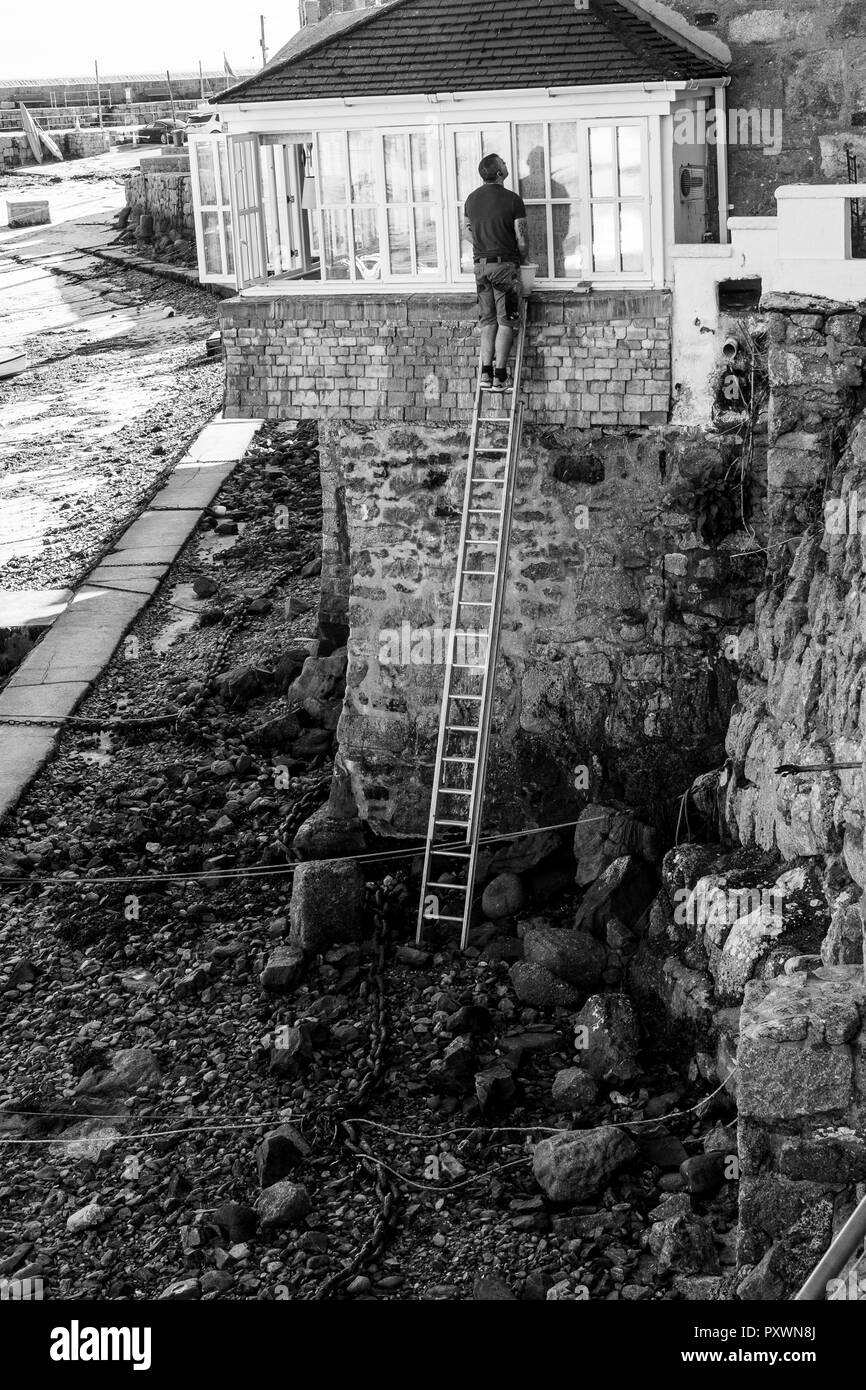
538,987
217,1281
204,586
284,969
87,1217
704,1174
182,1290
574,956
683,1244
283,1204
577,1164
612,1038
488,1289
495,1088
574,1089
279,1152
411,956
236,1220
327,905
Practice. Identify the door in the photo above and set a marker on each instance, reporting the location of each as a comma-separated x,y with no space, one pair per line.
466,146
251,255
211,198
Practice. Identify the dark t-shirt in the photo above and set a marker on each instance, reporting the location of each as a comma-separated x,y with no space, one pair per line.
492,212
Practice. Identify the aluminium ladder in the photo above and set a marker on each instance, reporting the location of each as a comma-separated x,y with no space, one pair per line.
470,665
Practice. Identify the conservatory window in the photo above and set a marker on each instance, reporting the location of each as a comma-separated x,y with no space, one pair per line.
379,205
216,249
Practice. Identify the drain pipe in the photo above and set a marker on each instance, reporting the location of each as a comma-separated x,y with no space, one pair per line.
835,1257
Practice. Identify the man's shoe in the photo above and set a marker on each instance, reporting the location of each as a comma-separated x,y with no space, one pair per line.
486,378
502,384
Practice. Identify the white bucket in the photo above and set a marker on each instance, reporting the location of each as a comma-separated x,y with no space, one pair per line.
527,275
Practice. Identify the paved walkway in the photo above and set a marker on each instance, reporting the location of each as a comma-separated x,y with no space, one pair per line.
55,677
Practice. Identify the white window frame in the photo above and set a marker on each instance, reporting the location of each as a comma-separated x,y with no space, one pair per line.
222,207
382,207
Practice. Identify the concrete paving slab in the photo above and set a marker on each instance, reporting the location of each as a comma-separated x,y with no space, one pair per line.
54,678
222,441
32,607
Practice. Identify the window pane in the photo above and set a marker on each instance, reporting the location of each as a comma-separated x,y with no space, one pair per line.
206,175
496,140
601,162
399,242
336,238
631,236
426,242
422,168
536,230
210,231
368,261
466,152
628,140
531,161
396,173
332,168
564,160
362,165
603,238
224,169
467,250
567,250
230,250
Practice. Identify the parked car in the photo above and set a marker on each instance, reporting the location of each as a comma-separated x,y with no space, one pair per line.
197,120
161,132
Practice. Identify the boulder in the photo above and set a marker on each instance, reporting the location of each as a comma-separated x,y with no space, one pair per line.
503,897
606,833
279,1152
130,1068
322,678
625,890
283,1204
237,1221
573,1090
574,956
611,1040
324,836
576,1164
327,905
789,1261
540,989
683,1244
843,944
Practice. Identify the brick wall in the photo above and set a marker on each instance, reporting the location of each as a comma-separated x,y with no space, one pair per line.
592,360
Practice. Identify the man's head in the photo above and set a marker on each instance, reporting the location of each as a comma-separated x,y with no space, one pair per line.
493,169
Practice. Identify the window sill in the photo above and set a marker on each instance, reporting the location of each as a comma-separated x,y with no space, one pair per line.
335,289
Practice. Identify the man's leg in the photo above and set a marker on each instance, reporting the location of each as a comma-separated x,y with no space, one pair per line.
487,317
507,285
504,339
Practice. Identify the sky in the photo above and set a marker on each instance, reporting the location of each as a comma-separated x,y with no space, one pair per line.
62,38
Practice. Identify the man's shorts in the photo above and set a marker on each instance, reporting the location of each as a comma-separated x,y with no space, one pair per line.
499,288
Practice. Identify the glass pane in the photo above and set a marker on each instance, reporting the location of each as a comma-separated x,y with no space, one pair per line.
564,160
536,231
466,153
631,236
362,166
230,250
206,175
567,250
422,168
368,261
396,174
531,161
399,242
336,237
332,168
628,140
603,239
426,242
224,169
496,140
210,232
601,162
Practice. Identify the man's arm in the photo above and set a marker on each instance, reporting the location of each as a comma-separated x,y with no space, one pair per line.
468,234
520,232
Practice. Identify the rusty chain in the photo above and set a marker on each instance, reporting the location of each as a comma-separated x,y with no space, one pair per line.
386,899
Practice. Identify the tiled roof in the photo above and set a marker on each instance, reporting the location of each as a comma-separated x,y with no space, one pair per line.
420,46
313,34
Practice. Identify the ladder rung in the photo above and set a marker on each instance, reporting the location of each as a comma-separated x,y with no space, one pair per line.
454,791
475,603
465,697
493,420
459,760
450,853
438,917
451,887
462,823
469,542
467,666
500,482
485,511
463,728
486,574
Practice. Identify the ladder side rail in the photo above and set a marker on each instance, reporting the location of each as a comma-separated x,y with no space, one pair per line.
449,662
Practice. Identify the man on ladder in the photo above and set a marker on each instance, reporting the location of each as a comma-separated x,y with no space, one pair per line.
495,222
